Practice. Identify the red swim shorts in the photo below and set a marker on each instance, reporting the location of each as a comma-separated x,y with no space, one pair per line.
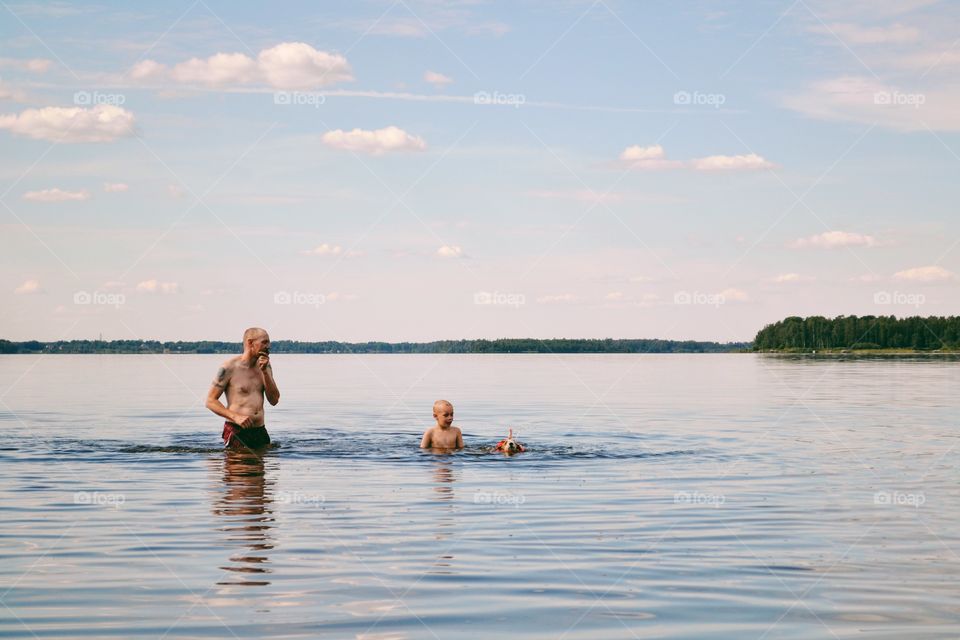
234,437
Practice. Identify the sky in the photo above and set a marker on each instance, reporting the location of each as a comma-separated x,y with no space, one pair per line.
423,170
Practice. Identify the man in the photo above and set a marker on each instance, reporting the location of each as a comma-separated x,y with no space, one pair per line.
246,379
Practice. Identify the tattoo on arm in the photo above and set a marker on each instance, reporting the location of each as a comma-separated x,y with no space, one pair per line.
221,378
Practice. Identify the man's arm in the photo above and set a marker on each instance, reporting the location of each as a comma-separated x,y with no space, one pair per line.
213,400
270,389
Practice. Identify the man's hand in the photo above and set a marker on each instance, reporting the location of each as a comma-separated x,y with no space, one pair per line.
263,362
243,421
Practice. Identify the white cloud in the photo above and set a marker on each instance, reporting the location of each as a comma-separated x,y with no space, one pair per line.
636,152
834,240
855,9
495,29
734,295
651,157
218,69
114,187
869,101
28,287
557,299
154,286
33,65
56,195
101,123
788,278
436,79
54,9
858,34
296,65
654,157
146,70
375,142
749,162
431,18
450,251
924,274
288,65
403,27
324,250
10,93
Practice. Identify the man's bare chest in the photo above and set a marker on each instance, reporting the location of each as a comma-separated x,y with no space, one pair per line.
245,382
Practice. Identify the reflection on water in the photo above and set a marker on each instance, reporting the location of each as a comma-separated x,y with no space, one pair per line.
673,497
244,503
444,478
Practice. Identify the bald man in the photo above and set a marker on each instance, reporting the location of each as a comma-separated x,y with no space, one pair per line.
246,379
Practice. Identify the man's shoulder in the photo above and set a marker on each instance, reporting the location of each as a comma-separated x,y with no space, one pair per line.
230,362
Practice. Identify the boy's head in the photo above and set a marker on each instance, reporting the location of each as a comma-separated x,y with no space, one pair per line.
443,413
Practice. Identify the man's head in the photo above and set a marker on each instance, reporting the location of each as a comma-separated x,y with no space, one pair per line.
443,413
256,341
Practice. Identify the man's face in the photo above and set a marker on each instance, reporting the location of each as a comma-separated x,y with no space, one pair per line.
261,345
444,415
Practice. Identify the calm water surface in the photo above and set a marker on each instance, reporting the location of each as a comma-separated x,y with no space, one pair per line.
727,496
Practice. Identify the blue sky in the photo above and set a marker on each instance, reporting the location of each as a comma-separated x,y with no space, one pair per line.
417,170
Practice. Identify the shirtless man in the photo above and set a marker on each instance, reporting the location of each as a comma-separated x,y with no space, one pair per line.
246,379
443,436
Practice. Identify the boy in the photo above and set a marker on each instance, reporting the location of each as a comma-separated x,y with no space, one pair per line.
443,435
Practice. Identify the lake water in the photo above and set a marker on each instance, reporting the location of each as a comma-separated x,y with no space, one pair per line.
662,496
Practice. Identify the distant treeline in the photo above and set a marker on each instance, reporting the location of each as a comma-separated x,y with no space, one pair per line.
866,332
518,345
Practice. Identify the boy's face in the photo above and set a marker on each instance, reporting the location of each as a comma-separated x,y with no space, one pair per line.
443,413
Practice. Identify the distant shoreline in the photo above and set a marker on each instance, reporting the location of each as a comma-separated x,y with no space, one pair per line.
858,352
501,346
